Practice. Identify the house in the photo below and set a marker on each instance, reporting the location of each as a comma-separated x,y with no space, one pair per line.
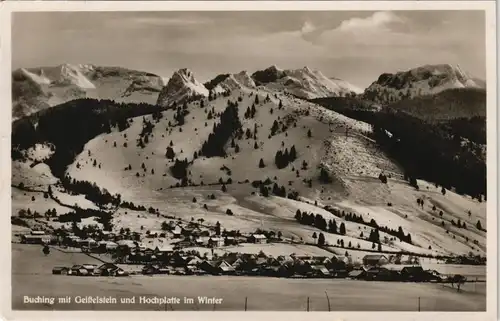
375,260
109,269
127,243
215,242
176,232
33,232
164,250
193,262
380,274
153,234
209,267
105,246
230,240
357,274
88,242
414,273
36,239
320,271
225,268
257,238
107,235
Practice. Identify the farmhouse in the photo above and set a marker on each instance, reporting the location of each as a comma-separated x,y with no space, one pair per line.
36,239
107,246
375,260
225,268
257,238
216,242
33,232
176,232
320,271
357,274
163,249
127,243
230,240
88,242
153,234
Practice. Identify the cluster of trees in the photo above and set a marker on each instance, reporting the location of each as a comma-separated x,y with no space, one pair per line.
92,192
283,158
319,222
147,130
250,112
78,214
277,190
352,217
459,224
180,114
179,169
132,206
229,124
324,176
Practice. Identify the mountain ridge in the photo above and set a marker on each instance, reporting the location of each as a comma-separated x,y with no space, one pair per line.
38,88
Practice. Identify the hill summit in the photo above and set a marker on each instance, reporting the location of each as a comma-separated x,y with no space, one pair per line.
420,81
181,86
304,82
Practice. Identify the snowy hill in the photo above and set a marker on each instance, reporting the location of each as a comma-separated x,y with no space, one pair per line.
35,89
421,81
223,145
304,83
181,87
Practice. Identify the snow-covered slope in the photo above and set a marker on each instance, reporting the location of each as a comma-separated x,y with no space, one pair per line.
35,89
180,87
304,83
424,80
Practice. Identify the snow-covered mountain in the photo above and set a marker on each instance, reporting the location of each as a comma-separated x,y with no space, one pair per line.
304,83
420,81
225,82
180,87
34,89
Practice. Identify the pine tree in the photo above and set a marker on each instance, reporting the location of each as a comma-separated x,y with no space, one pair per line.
309,133
321,239
298,216
342,230
261,163
293,154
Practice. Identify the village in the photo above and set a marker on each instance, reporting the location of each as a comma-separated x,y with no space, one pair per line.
176,249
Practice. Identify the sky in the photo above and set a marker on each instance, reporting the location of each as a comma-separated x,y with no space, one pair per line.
354,46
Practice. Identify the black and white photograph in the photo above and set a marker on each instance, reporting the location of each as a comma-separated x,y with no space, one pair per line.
252,160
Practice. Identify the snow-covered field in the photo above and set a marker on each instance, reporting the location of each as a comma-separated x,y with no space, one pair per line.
32,276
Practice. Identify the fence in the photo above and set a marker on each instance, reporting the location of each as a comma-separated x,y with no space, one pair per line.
415,305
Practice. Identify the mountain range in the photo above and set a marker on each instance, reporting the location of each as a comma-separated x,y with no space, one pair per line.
34,89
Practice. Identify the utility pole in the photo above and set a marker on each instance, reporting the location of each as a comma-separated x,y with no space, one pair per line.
246,301
307,304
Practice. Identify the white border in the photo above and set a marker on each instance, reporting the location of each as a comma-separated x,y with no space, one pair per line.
5,163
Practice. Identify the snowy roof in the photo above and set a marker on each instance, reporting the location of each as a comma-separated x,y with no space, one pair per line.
259,236
216,239
126,242
164,248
